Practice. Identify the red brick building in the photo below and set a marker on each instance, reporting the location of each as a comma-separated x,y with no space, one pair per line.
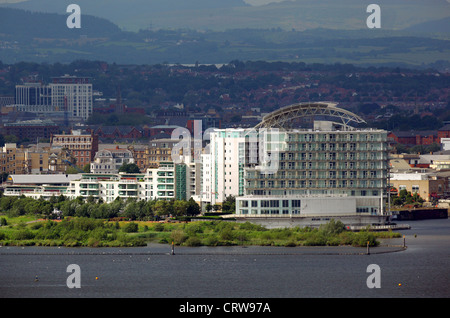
444,132
82,146
413,138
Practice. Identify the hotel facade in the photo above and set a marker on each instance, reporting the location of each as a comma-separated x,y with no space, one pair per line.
330,170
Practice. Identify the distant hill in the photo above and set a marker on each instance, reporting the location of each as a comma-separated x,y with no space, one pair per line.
441,25
25,25
44,37
220,15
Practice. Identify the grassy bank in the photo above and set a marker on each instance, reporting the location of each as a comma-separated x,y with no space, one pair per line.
100,233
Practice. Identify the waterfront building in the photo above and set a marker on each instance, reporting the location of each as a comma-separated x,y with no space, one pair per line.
188,180
223,165
428,185
38,186
330,170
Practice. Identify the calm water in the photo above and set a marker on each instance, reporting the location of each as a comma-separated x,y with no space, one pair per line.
423,270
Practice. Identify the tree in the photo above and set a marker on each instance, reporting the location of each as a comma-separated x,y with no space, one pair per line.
161,208
229,206
129,168
72,170
180,207
193,208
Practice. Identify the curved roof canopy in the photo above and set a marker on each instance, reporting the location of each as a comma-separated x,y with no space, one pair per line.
283,117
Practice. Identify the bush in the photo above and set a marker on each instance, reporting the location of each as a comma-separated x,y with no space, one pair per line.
130,227
363,237
226,234
332,227
23,234
193,241
178,237
158,227
211,240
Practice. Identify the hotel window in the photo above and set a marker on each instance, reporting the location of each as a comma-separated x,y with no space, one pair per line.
415,189
244,204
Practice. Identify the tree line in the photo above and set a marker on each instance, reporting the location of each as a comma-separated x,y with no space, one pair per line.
130,208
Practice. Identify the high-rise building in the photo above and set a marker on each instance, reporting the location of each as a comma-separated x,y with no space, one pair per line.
73,95
329,170
223,165
70,95
34,97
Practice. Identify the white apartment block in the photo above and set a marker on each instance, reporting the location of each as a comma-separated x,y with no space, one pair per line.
72,94
223,167
155,184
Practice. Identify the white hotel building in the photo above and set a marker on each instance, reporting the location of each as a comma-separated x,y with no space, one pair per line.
329,171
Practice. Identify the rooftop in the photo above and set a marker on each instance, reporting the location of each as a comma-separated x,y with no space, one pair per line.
42,178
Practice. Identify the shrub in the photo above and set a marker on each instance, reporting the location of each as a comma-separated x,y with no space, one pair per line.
193,228
332,228
193,241
3,222
290,244
363,237
178,236
23,234
130,227
211,240
158,227
226,234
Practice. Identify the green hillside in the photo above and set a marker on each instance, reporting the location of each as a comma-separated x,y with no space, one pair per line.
44,37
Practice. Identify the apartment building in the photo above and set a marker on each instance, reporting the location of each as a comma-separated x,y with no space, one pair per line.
67,94
109,161
82,146
223,165
73,95
12,159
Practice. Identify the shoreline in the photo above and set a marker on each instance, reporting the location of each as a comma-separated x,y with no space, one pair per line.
166,249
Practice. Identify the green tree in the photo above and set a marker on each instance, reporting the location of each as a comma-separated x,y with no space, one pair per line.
162,208
180,207
229,206
129,168
193,208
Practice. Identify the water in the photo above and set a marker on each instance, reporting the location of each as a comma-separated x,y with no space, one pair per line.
423,270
